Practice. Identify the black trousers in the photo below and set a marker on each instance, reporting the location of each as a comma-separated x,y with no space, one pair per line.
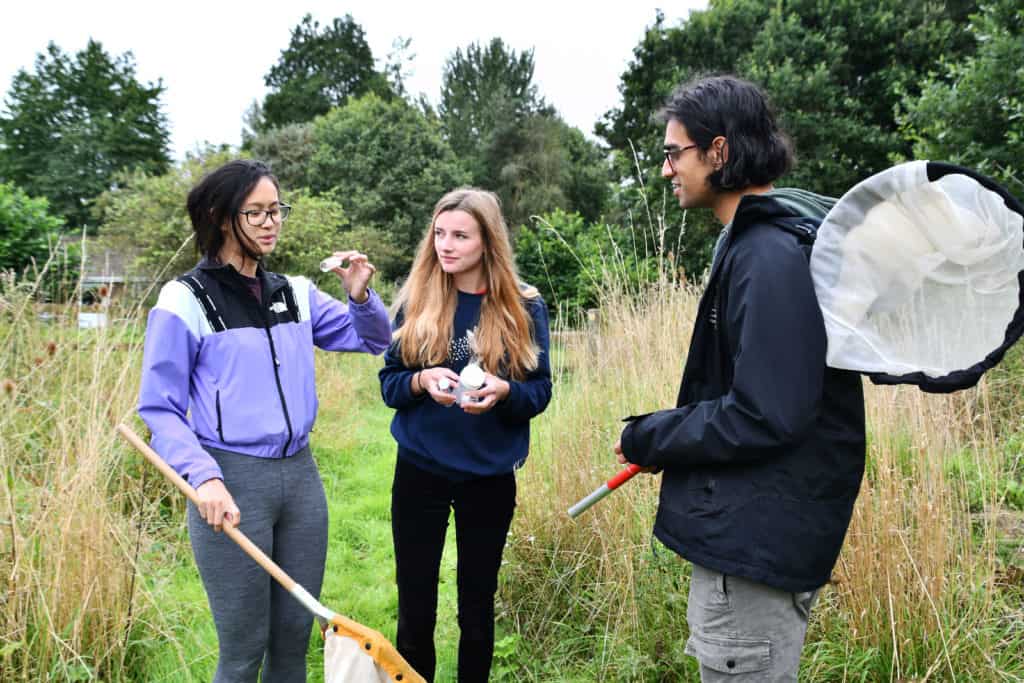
420,504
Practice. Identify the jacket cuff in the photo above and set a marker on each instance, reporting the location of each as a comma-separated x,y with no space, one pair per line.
200,477
515,392
508,408
627,442
365,307
406,385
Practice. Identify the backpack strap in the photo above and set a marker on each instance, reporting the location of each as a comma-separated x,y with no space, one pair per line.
205,301
289,300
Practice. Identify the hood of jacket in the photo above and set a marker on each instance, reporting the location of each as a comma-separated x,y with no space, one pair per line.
783,202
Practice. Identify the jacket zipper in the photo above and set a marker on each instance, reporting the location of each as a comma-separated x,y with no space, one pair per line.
220,423
277,378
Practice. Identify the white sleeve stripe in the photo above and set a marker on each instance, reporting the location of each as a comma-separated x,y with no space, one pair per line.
178,299
301,287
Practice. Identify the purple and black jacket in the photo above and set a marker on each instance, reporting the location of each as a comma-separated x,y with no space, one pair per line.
248,386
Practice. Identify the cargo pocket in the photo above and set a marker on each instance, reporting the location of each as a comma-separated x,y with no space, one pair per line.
730,655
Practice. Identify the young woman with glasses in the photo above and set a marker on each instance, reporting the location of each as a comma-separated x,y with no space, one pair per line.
228,393
461,303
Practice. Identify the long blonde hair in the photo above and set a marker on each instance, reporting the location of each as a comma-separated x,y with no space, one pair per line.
427,300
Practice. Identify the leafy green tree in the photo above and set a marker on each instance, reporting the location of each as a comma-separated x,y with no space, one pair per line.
974,113
836,73
321,68
708,41
589,180
398,68
27,229
514,143
389,164
252,123
287,150
75,122
484,89
164,248
572,261
541,164
547,256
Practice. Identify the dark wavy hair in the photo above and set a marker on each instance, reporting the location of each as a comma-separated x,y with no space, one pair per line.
218,197
709,106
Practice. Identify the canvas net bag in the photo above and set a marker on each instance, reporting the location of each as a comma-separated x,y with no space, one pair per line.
919,271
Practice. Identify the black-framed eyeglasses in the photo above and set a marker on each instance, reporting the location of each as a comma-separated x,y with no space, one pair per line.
257,217
672,154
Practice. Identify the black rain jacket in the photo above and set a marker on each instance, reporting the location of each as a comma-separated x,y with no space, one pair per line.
764,454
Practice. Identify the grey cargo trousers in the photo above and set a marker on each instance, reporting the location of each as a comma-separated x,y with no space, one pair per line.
744,631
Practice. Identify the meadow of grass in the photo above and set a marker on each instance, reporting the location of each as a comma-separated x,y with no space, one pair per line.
99,582
68,538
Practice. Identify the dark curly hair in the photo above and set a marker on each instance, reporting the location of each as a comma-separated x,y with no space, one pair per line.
738,110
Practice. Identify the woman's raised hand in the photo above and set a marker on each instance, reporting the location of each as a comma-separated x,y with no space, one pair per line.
356,275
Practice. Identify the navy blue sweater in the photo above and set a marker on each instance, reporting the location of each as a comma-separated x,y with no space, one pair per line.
453,443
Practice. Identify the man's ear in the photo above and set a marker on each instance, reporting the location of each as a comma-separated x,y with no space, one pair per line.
720,152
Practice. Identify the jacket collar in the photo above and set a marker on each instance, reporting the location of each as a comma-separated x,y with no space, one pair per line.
757,208
752,210
226,273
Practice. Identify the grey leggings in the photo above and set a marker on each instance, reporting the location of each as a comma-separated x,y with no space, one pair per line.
284,512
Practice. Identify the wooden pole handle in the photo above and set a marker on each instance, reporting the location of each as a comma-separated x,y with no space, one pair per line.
237,536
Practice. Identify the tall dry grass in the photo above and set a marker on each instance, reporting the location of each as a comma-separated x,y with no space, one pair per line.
914,595
576,587
913,570
70,603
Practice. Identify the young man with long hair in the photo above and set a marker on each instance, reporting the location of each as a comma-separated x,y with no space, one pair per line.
763,455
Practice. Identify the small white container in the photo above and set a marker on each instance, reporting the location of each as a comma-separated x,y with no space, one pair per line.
445,385
332,262
470,379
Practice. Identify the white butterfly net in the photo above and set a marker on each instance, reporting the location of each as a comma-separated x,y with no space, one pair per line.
346,662
917,276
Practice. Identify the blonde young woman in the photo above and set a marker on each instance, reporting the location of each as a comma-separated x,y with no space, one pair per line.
462,303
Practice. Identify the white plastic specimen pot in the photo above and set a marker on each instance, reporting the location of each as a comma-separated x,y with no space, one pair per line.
919,271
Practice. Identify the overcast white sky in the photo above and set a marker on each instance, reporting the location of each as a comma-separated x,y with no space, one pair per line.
213,55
